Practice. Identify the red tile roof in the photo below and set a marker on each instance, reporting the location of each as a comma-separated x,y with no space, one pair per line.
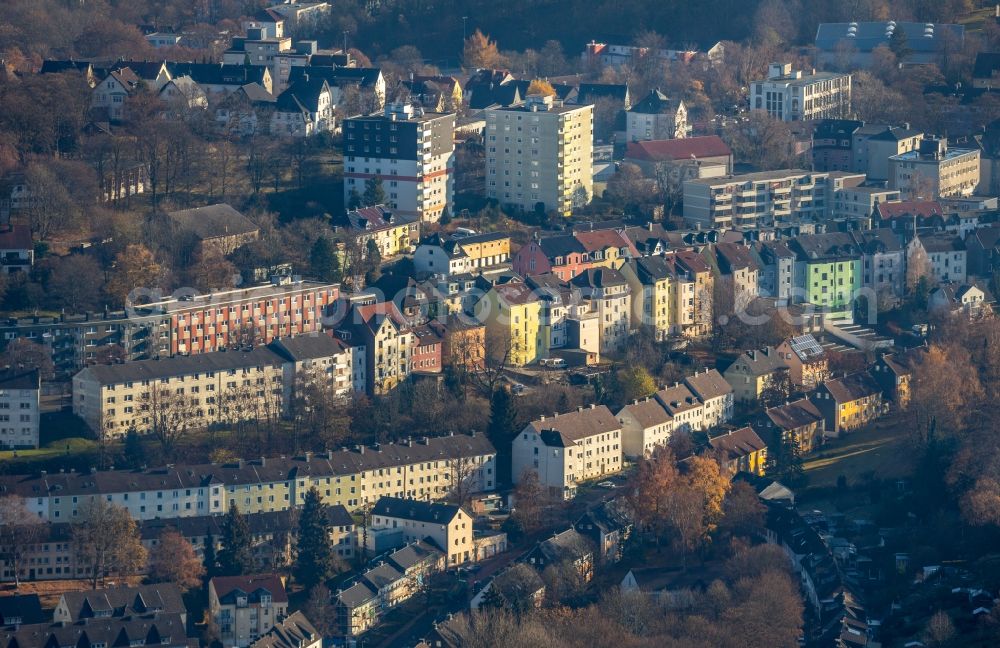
604,239
678,149
909,208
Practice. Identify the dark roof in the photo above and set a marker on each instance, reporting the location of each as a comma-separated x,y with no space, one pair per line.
377,217
235,74
308,347
411,509
294,631
678,149
227,588
590,92
161,629
562,546
413,554
986,64
654,268
560,246
831,246
214,221
794,415
593,278
655,103
20,379
895,134
303,94
339,77
942,243
55,67
763,361
836,128
21,609
882,240
738,443
677,399
124,601
866,36
111,374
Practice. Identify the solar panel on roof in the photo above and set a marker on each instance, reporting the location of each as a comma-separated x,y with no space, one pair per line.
806,346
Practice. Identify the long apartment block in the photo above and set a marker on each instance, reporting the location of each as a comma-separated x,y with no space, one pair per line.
425,469
180,325
765,199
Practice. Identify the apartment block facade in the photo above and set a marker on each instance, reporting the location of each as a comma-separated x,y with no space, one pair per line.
411,151
19,408
792,95
935,171
539,155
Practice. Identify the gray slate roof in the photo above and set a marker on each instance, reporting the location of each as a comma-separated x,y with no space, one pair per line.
213,221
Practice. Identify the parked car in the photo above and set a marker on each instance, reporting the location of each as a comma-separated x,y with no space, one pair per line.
606,484
553,363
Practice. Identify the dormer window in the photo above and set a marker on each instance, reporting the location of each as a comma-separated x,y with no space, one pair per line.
265,600
241,601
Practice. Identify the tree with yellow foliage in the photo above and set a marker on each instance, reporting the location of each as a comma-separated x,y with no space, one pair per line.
481,53
135,267
541,87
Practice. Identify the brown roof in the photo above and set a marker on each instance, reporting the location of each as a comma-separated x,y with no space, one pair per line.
738,443
910,208
708,384
566,429
677,399
604,239
792,416
15,237
678,149
648,412
852,387
515,293
735,256
692,261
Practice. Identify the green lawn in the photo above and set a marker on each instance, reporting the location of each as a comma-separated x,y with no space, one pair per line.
881,449
71,445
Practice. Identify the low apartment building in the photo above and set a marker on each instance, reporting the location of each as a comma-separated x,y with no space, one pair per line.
764,199
293,631
807,361
934,171
123,601
799,423
947,257
857,204
567,449
244,608
19,408
687,411
184,392
448,526
393,233
741,450
646,425
715,394
754,372
453,255
848,403
354,478
792,95
657,117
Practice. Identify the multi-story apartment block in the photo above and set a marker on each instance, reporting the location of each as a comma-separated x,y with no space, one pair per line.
646,425
657,117
19,408
448,526
715,394
512,314
933,170
754,372
946,255
412,151
768,198
692,288
418,469
883,264
539,155
872,146
790,95
777,270
609,296
827,270
831,144
739,277
387,337
215,388
245,607
649,281
568,449
687,411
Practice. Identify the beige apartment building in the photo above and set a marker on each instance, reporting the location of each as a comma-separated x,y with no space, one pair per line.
423,469
935,171
539,155
448,526
246,607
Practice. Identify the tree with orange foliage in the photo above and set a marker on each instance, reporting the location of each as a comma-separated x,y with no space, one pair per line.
175,561
541,87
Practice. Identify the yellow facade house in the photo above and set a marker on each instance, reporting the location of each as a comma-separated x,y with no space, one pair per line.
649,281
512,315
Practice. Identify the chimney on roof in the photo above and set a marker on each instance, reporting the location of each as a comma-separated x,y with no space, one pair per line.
309,456
263,461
